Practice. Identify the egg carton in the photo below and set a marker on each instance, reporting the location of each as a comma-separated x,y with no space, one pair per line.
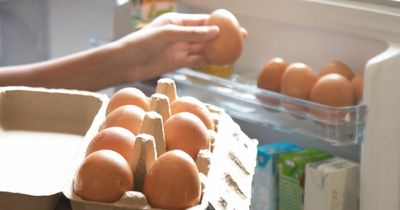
225,169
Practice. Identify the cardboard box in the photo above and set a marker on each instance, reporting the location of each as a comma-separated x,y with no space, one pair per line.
265,181
46,132
227,185
332,184
40,133
292,176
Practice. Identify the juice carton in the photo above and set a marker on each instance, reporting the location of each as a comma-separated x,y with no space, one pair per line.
292,167
332,184
265,184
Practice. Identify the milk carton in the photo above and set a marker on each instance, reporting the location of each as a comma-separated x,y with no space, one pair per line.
332,184
292,167
265,181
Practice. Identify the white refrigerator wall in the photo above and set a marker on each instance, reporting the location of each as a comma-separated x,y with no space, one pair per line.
362,35
310,31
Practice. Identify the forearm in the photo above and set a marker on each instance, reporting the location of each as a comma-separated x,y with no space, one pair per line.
88,70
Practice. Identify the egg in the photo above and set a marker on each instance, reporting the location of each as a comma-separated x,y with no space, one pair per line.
186,132
297,81
103,176
332,90
173,182
271,75
358,85
270,79
128,96
337,67
127,116
118,139
226,48
194,106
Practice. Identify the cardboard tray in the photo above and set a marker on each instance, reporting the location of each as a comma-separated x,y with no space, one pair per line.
40,130
51,118
227,186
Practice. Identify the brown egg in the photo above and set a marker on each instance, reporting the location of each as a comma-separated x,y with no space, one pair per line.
194,106
297,81
358,85
117,139
227,47
104,176
128,96
186,132
173,182
337,67
271,75
127,116
332,90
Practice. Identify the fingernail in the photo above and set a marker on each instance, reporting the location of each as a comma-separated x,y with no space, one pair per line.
214,29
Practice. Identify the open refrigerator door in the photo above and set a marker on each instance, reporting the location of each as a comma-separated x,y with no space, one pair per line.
364,36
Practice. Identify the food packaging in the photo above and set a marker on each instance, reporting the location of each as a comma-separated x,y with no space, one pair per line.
265,180
40,133
292,167
332,184
227,184
51,117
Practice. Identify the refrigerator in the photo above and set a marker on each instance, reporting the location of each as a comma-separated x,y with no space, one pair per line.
364,35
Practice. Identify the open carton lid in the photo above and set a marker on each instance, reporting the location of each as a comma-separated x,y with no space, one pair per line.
40,132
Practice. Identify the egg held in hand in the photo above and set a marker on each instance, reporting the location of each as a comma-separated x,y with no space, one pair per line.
186,132
173,182
103,176
118,139
128,96
227,47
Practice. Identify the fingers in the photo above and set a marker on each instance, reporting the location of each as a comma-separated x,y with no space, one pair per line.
244,32
196,60
195,48
180,19
175,33
194,20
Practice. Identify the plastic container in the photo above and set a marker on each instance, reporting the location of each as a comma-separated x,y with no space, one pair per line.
245,101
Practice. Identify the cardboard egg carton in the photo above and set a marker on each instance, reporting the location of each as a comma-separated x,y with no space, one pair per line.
40,130
225,170
37,174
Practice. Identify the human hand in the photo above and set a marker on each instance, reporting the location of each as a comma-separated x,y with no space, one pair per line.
169,42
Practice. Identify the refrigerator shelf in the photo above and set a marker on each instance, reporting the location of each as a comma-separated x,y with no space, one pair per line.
243,100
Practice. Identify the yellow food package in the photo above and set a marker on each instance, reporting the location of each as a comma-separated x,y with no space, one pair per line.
217,70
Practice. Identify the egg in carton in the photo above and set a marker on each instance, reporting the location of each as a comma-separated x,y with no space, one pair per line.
225,168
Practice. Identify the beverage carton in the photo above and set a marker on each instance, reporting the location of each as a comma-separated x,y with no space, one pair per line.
292,167
332,184
265,184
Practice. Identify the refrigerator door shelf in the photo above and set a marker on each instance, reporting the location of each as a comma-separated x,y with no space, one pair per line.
336,126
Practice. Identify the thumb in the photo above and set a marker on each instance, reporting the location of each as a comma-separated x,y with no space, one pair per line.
177,33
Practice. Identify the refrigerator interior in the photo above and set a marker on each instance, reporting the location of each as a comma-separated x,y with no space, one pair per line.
364,36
